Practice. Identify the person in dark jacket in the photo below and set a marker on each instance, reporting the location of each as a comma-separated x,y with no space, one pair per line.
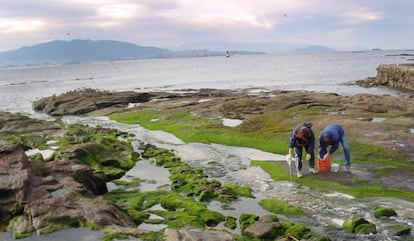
302,137
331,136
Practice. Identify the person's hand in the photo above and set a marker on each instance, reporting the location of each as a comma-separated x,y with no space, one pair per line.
308,157
326,156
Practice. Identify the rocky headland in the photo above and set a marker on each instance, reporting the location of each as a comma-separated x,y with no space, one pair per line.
395,76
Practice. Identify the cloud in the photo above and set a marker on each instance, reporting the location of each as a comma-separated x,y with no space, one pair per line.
19,25
362,15
173,22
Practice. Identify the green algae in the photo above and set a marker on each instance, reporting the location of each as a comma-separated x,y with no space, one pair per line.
246,219
192,181
230,222
270,133
299,231
278,206
358,189
384,212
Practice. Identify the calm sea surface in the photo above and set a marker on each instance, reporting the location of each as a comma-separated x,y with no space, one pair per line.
329,72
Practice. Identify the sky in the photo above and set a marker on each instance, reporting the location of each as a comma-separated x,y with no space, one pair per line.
338,24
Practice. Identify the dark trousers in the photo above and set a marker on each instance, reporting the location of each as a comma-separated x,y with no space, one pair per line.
298,151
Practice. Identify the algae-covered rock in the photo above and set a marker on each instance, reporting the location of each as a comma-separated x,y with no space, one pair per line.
384,212
187,211
365,228
352,222
245,220
262,230
230,222
266,227
299,230
401,230
280,207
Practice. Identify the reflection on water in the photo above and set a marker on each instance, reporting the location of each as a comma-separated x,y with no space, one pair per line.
153,177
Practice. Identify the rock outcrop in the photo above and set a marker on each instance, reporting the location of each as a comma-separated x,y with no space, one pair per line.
395,76
87,100
44,196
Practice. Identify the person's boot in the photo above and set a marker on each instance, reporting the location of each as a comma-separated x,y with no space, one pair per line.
299,174
313,170
347,169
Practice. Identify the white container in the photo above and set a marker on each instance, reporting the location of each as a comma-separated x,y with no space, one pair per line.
334,167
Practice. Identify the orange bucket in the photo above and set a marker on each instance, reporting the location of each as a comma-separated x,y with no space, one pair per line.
324,165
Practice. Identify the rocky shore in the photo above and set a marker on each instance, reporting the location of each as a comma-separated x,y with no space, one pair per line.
394,76
43,194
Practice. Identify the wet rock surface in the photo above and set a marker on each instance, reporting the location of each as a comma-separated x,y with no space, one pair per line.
357,113
46,196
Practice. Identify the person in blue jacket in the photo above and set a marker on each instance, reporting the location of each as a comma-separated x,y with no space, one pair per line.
302,137
331,136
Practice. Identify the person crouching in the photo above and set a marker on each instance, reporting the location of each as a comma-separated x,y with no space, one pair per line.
303,138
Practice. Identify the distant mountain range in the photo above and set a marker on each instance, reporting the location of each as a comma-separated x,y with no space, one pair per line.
76,51
79,51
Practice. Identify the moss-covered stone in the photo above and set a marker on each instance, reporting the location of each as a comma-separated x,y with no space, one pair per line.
299,231
190,208
280,207
352,222
230,222
384,212
401,230
245,220
365,228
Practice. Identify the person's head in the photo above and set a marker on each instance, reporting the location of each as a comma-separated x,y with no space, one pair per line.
325,141
304,132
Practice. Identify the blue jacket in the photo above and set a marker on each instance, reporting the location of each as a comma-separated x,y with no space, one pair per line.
335,134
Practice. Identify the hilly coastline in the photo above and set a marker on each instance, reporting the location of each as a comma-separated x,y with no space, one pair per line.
77,51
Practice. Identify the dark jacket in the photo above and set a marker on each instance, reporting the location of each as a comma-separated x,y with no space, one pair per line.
296,141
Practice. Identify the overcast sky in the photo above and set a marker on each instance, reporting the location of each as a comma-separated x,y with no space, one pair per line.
340,24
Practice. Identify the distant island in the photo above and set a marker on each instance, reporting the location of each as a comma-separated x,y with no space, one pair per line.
313,49
79,51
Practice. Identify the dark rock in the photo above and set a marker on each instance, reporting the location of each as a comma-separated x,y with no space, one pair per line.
50,214
15,180
87,100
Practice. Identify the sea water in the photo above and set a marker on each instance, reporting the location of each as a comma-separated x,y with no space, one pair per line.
327,72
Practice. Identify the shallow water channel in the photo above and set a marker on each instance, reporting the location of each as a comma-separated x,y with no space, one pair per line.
232,164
